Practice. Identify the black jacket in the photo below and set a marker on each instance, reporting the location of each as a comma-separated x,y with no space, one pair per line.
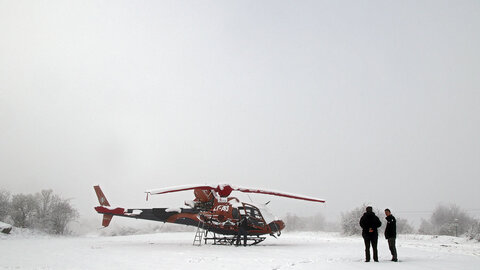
244,224
391,229
369,220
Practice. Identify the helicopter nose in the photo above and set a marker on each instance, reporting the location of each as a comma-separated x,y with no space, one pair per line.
277,225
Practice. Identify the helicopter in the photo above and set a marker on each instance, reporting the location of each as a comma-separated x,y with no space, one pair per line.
216,215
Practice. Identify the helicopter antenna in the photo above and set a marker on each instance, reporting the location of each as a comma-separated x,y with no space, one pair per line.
250,198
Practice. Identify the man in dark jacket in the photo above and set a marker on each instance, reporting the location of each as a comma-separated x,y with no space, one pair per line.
391,233
242,230
370,223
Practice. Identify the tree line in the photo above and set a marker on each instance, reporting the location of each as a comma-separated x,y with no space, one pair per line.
44,211
445,220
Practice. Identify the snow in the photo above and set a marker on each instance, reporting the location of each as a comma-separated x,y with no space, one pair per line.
135,212
175,251
4,226
173,210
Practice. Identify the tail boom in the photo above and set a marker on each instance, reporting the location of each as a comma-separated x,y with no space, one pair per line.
179,216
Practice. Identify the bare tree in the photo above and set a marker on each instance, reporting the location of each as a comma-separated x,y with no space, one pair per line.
44,210
4,204
62,214
447,220
23,209
426,227
312,223
317,222
474,231
53,213
45,198
450,220
350,221
293,223
403,227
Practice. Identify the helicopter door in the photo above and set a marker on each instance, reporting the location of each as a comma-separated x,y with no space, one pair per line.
253,214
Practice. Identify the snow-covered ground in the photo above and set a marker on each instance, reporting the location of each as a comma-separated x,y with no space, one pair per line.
175,251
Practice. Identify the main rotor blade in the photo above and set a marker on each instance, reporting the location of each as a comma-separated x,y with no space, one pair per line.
279,193
178,188
224,190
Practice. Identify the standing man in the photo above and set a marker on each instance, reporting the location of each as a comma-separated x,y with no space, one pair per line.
391,233
370,223
242,230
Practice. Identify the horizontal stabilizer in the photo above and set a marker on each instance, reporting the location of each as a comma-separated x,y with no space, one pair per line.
106,220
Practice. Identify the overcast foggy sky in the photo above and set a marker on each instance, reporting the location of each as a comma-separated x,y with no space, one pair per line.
354,102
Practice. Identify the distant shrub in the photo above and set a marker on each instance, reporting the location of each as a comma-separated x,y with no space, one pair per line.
474,231
447,220
350,220
23,210
43,211
403,227
312,223
426,227
4,204
293,223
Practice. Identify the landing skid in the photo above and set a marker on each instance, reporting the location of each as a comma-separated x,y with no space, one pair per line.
231,240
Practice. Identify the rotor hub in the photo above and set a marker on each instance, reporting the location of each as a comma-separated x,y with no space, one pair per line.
224,190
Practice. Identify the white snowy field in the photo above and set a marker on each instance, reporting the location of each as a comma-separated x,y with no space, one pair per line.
175,251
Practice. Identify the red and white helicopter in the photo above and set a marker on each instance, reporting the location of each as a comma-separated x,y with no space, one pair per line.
212,210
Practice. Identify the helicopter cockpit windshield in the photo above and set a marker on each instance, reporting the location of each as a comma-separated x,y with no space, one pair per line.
253,213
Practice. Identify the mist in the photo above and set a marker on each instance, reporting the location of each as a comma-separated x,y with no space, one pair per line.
356,103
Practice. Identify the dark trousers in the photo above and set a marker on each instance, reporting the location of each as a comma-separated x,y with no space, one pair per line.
371,239
242,231
391,246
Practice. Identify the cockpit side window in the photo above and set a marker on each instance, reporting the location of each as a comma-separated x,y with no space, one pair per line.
235,213
254,214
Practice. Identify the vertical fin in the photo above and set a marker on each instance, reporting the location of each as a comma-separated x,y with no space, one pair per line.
101,197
